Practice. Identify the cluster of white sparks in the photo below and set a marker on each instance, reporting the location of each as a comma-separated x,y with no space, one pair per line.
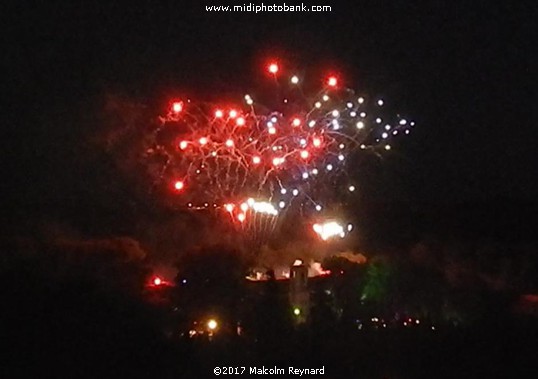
331,229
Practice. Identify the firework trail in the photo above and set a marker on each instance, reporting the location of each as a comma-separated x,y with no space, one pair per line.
254,162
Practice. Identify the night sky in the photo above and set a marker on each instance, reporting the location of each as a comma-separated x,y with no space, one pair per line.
463,70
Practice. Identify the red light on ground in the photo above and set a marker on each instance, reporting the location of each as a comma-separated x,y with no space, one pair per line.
272,68
157,281
332,81
305,154
179,185
177,106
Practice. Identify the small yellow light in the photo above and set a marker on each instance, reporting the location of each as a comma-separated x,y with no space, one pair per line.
212,324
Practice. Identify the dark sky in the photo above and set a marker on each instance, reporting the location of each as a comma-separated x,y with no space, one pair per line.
464,70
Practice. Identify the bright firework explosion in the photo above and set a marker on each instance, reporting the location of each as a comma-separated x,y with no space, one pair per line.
254,163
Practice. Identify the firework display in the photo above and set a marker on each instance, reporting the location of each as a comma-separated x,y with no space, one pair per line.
254,162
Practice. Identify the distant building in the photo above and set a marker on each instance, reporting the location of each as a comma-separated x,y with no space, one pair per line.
299,295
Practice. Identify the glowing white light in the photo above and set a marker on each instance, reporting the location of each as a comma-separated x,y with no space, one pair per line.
387,127
250,201
312,123
403,121
349,105
302,141
336,125
318,207
264,207
315,171
274,119
341,146
294,79
278,161
325,98
295,192
341,157
407,131
351,188
329,167
362,114
360,100
353,113
229,143
269,124
360,125
250,102
378,120
394,132
244,207
335,113
387,147
305,175
282,204
272,130
219,113
363,146
384,135
317,104
412,123
212,324
241,217
283,191
328,230
380,102
349,227
229,207
233,114
213,153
